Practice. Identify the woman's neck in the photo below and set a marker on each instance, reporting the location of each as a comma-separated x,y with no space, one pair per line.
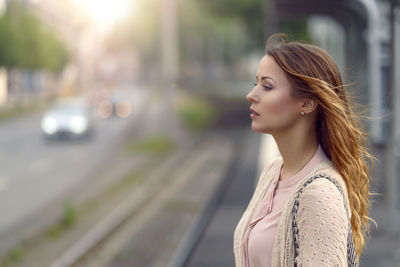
296,148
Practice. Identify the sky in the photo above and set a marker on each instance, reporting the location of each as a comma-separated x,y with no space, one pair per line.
106,12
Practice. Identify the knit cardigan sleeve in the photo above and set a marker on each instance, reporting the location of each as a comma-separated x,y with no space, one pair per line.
323,226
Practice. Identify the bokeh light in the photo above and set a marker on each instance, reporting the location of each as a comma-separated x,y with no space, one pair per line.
123,109
104,109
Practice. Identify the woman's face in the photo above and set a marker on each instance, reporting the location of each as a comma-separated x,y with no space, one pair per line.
276,109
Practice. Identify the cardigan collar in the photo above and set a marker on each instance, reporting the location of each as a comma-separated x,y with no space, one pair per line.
267,202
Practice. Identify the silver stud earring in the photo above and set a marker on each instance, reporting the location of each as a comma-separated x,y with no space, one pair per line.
302,112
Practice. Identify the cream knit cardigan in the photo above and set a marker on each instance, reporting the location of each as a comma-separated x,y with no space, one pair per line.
322,220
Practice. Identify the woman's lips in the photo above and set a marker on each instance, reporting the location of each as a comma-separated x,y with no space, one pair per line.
253,113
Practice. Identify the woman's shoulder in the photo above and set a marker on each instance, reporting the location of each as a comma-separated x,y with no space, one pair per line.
322,190
327,169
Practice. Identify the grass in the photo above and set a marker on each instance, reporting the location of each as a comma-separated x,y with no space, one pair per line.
155,145
15,255
19,110
131,178
54,232
69,218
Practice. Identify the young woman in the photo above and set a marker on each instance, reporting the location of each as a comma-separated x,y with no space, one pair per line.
310,206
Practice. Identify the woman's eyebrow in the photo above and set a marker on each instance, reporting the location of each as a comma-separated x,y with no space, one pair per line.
266,77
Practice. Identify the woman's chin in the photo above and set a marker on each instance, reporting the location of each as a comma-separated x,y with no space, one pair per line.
259,129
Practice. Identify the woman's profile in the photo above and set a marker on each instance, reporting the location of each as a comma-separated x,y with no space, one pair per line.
310,206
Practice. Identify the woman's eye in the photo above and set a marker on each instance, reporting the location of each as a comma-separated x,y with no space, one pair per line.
267,87
254,83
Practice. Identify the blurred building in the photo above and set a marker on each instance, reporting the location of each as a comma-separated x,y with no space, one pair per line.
2,6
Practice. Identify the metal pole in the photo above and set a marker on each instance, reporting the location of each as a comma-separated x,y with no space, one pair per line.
393,154
169,55
169,40
374,69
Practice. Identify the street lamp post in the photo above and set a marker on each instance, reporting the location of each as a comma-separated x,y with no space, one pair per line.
393,185
169,64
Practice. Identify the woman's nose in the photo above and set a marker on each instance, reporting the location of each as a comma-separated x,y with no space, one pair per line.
251,96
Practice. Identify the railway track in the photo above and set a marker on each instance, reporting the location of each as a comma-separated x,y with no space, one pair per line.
196,172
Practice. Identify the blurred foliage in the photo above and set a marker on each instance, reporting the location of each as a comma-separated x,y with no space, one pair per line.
296,29
252,15
201,31
154,145
15,255
70,214
196,114
210,33
14,111
130,179
249,13
54,231
26,42
70,217
199,22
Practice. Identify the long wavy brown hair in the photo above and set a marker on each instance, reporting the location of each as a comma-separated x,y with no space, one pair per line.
314,74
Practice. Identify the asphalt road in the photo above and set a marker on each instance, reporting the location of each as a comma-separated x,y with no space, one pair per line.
33,172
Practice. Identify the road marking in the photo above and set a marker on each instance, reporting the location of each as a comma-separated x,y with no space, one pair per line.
3,184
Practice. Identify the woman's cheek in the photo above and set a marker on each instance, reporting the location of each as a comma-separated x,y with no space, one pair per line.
279,104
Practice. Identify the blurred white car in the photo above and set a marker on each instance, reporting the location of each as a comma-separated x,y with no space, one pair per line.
68,118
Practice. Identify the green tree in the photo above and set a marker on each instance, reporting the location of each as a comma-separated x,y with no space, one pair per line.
26,42
250,13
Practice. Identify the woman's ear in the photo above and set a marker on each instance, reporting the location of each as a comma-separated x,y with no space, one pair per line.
308,105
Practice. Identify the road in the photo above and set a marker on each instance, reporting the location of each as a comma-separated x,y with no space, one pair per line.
34,173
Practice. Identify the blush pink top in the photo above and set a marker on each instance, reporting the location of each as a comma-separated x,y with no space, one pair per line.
259,236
